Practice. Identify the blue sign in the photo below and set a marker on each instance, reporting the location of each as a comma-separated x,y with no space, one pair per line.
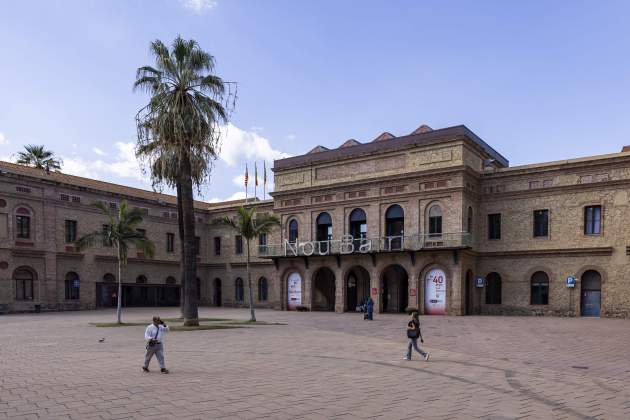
570,281
480,282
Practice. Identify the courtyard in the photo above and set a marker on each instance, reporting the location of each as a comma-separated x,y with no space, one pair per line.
316,366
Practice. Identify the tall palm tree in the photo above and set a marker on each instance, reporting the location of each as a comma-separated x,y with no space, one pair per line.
40,158
249,225
178,137
121,233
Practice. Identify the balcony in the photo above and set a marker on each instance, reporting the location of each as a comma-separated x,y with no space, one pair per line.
349,245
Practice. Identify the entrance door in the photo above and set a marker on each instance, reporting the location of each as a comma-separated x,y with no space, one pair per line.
323,290
469,294
217,292
394,285
591,293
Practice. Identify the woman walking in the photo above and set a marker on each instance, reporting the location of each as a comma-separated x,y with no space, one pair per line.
413,333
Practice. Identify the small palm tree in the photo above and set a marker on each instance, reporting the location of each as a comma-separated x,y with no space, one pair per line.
40,158
249,225
121,233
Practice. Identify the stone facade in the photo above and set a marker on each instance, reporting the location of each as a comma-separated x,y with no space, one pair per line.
423,203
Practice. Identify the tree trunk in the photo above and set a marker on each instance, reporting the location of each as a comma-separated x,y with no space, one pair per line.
189,257
249,285
120,270
180,224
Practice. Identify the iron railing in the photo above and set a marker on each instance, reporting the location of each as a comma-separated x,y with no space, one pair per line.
350,245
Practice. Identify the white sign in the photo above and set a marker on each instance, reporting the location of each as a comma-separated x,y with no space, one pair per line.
294,291
435,292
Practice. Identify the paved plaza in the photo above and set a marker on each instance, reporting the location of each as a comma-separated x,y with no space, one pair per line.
317,366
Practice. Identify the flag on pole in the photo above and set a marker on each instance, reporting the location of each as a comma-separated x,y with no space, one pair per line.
255,178
264,179
246,181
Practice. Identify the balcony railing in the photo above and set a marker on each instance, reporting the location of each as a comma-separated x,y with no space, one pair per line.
350,245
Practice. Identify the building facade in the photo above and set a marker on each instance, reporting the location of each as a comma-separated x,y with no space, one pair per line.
435,221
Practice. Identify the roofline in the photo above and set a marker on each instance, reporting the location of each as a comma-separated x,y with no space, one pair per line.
388,145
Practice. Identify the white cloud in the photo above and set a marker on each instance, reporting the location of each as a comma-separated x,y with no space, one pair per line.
240,145
3,139
257,128
98,151
199,6
239,195
291,137
124,165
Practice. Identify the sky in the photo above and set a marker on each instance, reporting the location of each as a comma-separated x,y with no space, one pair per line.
537,80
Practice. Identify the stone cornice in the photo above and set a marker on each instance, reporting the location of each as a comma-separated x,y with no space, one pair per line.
559,252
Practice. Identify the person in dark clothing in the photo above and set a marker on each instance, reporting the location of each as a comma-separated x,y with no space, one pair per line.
414,333
370,308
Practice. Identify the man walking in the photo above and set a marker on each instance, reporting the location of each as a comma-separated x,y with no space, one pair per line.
154,335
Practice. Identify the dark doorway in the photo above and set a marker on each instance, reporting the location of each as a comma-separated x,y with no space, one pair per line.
394,227
591,293
358,227
137,295
469,306
324,232
357,287
324,290
394,289
216,297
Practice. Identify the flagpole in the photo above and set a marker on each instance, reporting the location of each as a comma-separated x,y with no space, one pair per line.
264,180
255,180
246,179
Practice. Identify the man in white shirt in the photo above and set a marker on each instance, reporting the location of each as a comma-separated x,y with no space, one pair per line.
154,334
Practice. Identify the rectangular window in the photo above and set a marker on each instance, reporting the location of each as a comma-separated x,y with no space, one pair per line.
23,225
197,245
106,240
262,239
238,239
494,226
592,220
217,245
541,223
170,242
71,231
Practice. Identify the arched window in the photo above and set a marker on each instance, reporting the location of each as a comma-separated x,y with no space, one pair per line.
262,289
23,284
324,227
435,220
358,224
73,285
238,290
394,227
23,223
469,221
293,231
540,288
493,289
141,279
109,278
171,280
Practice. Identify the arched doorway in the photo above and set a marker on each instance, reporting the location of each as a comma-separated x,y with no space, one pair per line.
394,227
324,231
216,297
394,289
357,287
294,291
591,293
435,292
323,290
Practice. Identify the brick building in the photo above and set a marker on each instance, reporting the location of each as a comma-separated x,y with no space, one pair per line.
434,220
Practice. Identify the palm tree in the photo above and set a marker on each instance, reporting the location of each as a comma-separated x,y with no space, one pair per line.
121,233
178,137
40,158
249,225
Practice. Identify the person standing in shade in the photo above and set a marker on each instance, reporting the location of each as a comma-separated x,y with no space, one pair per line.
370,308
413,334
154,335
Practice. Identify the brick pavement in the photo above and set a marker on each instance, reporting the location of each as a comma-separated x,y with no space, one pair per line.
319,366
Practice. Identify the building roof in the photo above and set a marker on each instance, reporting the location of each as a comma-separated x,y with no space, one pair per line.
417,138
108,187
